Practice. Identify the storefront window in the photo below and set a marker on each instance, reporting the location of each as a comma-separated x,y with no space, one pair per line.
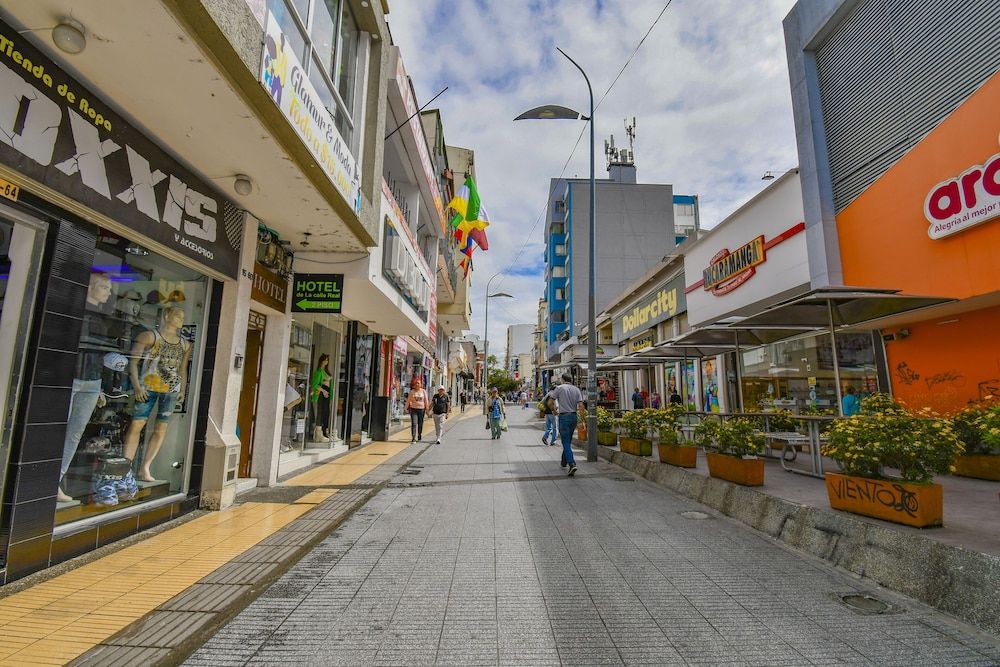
798,375
361,386
689,385
134,399
297,398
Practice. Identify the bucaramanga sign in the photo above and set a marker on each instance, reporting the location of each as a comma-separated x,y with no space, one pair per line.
58,133
282,75
661,304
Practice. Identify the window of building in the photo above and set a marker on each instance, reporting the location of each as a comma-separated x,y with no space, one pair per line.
558,271
560,294
558,228
559,317
684,210
324,35
559,207
560,250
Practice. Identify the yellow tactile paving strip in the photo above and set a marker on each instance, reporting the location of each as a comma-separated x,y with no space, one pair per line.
60,619
350,466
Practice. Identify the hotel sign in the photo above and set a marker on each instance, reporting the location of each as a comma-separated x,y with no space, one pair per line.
662,303
728,270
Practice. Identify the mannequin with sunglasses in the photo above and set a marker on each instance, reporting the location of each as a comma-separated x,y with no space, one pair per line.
158,370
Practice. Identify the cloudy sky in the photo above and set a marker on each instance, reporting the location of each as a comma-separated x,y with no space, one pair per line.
709,89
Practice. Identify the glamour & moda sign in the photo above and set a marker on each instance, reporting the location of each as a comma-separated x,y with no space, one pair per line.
282,75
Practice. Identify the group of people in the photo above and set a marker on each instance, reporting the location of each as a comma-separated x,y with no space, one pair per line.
642,399
417,404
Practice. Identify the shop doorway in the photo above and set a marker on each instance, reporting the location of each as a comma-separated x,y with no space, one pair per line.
247,415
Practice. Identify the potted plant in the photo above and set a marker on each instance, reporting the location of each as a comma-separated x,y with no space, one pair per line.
884,435
735,458
605,428
668,444
636,439
978,427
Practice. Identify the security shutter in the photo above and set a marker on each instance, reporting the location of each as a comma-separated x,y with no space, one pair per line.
890,72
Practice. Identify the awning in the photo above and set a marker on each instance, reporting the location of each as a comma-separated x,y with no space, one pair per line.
850,307
731,336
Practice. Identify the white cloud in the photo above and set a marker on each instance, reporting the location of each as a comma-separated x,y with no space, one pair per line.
709,89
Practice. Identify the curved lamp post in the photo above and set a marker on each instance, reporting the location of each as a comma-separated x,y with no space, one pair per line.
486,336
556,112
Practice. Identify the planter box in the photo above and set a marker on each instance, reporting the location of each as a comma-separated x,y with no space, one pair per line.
978,466
607,438
636,446
919,505
748,472
675,455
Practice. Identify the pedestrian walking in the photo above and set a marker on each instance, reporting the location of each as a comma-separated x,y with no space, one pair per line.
523,398
463,399
568,399
675,398
655,401
638,402
416,405
440,408
549,410
497,414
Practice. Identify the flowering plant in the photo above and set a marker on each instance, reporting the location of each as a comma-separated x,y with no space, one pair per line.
978,427
605,420
739,437
636,423
707,431
884,435
778,420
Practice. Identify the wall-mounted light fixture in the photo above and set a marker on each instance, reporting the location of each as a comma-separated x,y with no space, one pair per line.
243,184
70,36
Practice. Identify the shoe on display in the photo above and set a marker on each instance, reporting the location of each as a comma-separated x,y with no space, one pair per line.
105,493
572,471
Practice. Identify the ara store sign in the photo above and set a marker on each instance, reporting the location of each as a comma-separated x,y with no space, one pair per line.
964,201
317,292
57,132
282,75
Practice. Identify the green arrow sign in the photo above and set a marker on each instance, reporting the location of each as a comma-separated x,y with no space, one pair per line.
317,292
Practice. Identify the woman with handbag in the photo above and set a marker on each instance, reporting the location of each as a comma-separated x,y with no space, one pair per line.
498,416
416,405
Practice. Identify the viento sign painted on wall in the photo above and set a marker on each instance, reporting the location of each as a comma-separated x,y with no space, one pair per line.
959,203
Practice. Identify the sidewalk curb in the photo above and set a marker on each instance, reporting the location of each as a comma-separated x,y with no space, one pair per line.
948,578
175,629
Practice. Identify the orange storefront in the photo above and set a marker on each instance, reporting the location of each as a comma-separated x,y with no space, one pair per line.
931,226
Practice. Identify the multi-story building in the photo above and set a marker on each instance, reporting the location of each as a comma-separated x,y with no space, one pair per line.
637,225
520,341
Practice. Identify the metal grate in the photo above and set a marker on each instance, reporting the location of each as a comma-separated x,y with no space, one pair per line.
890,72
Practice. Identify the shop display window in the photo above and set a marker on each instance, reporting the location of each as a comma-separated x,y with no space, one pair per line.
133,406
689,385
710,385
798,375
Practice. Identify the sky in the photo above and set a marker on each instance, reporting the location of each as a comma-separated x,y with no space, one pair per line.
708,88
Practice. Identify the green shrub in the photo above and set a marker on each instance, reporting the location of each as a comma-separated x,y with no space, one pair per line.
739,437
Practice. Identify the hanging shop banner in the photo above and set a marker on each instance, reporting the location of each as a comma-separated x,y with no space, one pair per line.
282,75
268,288
641,343
661,304
57,132
317,292
399,346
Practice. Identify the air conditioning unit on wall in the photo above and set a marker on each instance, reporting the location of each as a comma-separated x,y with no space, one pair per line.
390,260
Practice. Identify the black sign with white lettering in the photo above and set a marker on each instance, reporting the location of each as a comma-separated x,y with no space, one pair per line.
58,133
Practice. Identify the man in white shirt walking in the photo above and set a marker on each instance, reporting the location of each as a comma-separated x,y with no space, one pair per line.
568,399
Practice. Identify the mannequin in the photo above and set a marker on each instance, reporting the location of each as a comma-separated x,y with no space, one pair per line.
161,382
320,389
87,395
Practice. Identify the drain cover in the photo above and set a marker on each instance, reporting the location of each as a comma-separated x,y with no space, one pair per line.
866,604
695,515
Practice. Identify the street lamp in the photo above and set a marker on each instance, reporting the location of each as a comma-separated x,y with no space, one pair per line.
555,112
486,335
771,175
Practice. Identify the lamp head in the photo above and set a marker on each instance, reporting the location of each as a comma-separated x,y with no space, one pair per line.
70,36
551,112
500,294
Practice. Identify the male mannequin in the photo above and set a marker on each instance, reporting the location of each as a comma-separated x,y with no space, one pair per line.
87,395
164,357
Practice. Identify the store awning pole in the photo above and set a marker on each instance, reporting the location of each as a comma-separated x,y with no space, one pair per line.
836,362
736,368
682,390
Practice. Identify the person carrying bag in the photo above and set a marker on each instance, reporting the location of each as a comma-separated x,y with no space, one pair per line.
497,414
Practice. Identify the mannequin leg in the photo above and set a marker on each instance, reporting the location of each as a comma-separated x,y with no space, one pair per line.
132,438
81,408
159,433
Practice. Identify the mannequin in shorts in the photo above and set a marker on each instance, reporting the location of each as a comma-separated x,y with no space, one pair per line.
158,369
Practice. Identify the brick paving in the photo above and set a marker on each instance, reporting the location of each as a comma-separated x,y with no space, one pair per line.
490,555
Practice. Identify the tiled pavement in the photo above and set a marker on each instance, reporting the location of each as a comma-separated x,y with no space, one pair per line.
461,563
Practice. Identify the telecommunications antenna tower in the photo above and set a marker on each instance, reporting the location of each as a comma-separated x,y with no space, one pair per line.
630,131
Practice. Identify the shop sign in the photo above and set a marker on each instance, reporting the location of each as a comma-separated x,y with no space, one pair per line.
959,203
57,132
661,304
317,292
282,76
268,287
641,343
428,361
399,346
728,270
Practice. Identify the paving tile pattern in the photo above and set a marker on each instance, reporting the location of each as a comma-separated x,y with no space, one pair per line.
597,569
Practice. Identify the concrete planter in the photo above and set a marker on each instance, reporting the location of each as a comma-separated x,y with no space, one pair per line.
607,438
677,455
918,505
978,466
747,472
636,446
